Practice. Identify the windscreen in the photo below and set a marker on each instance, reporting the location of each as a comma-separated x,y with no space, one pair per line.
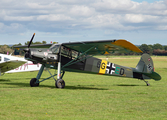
55,48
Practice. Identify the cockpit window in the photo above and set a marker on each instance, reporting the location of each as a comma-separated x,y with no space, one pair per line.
6,59
0,58
74,54
65,51
55,48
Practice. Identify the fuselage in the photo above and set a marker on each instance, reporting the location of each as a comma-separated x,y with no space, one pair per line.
72,60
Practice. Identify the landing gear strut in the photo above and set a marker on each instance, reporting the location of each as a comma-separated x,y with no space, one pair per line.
147,83
59,83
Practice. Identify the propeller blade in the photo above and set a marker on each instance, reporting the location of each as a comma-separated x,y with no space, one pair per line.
31,40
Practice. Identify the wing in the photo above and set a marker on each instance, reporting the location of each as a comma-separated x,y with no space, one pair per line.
10,65
103,47
35,46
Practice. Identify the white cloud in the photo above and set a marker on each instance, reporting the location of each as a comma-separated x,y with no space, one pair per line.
53,17
82,11
18,18
12,28
165,1
134,18
114,5
69,16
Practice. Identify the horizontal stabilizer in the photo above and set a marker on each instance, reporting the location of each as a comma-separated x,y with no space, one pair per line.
153,75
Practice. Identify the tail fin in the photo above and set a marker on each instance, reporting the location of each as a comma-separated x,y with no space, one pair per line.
146,68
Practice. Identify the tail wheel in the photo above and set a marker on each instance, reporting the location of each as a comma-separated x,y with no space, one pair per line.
33,82
147,83
60,83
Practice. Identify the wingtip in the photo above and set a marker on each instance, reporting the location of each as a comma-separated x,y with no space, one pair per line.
128,45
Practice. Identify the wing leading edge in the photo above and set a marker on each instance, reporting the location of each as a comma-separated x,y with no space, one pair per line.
34,46
103,47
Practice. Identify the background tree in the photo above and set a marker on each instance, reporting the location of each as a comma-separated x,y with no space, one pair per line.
26,43
43,42
37,42
165,47
55,42
145,48
158,46
4,49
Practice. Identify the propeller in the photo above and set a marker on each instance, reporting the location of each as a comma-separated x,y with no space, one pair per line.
27,50
31,40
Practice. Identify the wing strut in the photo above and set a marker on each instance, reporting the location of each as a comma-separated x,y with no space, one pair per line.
70,63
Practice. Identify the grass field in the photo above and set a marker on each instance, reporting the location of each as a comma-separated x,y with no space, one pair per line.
86,96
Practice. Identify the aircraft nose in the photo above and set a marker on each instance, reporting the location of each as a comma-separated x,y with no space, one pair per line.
26,50
27,53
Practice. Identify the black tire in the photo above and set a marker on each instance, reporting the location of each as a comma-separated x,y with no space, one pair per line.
60,83
33,82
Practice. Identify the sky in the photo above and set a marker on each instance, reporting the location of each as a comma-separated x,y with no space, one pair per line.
137,21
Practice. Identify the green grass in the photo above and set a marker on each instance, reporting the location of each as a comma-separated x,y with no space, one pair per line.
85,96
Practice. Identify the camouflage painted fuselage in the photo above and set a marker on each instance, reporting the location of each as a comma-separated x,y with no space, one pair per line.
97,66
144,69
104,67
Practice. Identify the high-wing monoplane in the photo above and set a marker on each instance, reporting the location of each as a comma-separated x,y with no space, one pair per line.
12,64
78,57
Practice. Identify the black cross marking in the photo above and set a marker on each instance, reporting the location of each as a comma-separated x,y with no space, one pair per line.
110,68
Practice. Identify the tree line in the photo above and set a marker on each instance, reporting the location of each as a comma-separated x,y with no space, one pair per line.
156,49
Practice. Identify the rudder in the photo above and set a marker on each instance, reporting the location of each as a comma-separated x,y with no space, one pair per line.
145,67
145,64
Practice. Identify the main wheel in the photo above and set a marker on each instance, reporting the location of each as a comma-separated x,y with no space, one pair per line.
60,83
148,84
33,82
